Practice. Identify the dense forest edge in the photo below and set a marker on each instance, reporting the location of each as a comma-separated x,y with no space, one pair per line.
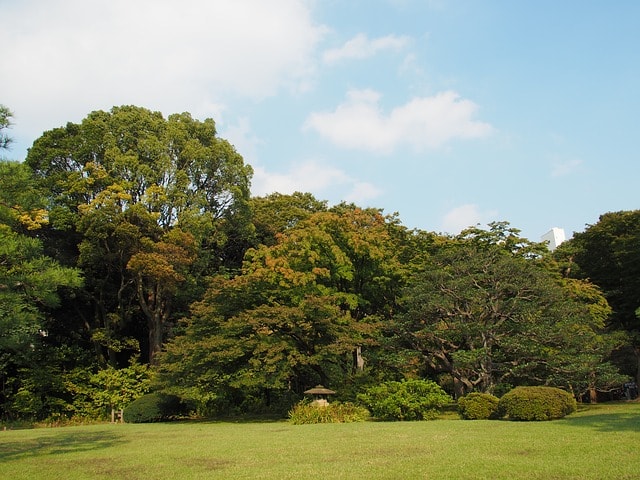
133,259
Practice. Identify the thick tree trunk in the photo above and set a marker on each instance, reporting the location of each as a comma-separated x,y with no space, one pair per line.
358,360
156,309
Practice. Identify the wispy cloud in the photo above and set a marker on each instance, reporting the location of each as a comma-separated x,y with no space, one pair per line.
423,122
463,216
361,47
561,168
361,192
324,181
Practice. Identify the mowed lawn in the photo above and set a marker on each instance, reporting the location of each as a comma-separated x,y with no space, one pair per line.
601,442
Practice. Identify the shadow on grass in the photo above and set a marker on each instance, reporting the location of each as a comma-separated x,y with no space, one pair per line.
72,441
604,419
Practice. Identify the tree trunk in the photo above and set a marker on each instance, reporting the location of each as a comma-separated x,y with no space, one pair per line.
156,327
459,388
358,360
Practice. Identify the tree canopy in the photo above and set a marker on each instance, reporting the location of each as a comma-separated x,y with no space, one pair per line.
133,259
488,315
141,194
608,255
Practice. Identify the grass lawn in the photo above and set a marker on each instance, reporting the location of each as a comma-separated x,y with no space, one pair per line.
599,442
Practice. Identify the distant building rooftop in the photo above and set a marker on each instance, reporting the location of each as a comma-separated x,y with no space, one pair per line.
554,238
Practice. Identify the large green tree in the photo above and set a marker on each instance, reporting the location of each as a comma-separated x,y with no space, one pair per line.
608,254
32,287
119,182
276,213
488,311
30,283
304,310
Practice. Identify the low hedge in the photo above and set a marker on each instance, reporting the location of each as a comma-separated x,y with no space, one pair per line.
536,403
405,400
478,406
306,413
153,407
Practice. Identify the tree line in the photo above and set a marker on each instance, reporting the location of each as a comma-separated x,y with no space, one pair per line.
133,258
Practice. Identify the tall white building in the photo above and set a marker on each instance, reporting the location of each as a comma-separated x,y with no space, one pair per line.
555,237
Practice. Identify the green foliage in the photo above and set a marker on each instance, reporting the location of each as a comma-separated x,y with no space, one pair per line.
94,394
300,313
478,406
405,400
115,388
306,413
30,290
608,253
487,311
5,122
536,403
154,407
120,184
277,213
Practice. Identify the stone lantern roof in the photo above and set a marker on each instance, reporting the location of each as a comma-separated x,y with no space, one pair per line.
319,390
320,394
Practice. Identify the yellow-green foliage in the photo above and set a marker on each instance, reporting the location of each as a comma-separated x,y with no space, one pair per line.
478,406
305,413
536,403
406,400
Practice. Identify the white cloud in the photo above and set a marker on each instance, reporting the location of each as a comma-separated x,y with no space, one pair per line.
311,176
242,137
562,168
305,177
464,216
363,192
361,47
423,122
65,58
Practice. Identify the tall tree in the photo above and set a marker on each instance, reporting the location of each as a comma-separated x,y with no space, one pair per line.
486,313
608,254
276,213
29,291
299,313
118,183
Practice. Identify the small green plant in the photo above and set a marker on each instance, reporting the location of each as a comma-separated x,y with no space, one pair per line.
306,413
405,400
536,403
478,406
153,407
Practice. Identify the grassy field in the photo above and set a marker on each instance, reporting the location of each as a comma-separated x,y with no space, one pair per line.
600,442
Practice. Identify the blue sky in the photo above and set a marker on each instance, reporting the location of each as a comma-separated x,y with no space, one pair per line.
449,112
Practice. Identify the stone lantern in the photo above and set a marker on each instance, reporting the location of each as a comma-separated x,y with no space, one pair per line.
320,395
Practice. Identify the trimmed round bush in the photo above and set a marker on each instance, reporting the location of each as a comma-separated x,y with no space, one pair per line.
306,413
406,400
153,407
478,406
536,403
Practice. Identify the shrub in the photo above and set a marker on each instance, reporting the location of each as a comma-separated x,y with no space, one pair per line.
153,407
406,400
478,406
305,413
536,403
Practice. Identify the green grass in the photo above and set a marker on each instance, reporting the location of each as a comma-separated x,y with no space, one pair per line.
600,442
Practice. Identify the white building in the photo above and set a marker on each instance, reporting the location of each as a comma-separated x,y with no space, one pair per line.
554,237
